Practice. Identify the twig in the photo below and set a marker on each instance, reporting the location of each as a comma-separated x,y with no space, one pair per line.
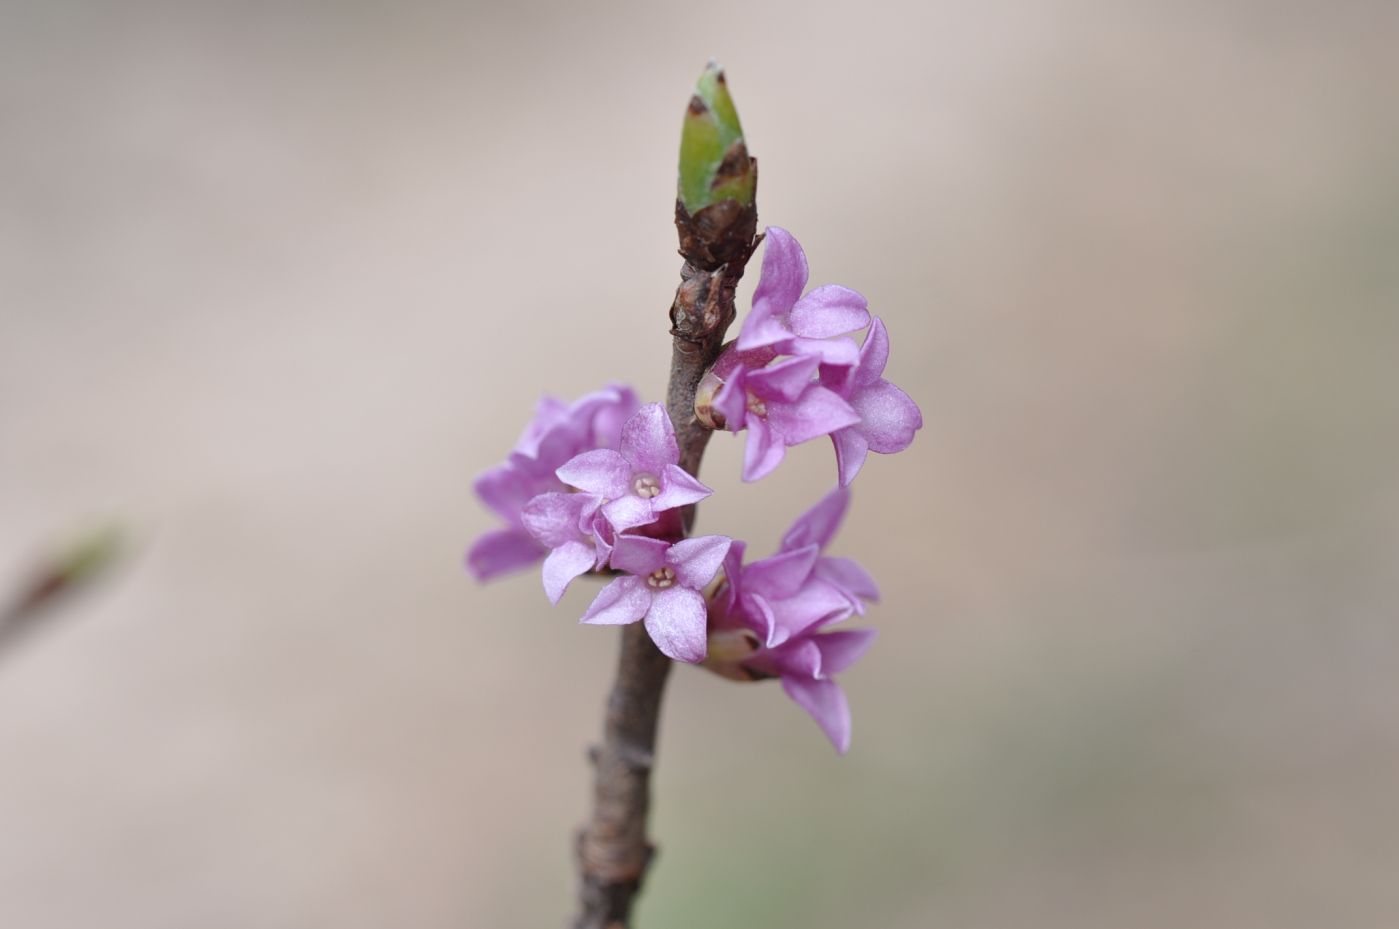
613,850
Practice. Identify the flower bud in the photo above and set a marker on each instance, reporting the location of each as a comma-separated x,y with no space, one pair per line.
714,208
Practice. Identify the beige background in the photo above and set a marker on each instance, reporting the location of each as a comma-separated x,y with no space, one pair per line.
275,284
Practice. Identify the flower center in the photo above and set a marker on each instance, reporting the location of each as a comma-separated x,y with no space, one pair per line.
756,406
646,486
661,578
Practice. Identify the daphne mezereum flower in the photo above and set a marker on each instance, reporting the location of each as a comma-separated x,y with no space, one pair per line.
797,589
793,324
664,589
779,405
888,416
806,665
557,433
818,526
572,528
770,617
640,480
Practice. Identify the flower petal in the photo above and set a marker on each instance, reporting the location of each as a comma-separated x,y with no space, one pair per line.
818,525
851,449
827,311
623,601
826,703
600,471
639,554
678,489
501,551
761,332
874,355
782,277
564,564
764,451
628,512
817,604
839,650
799,658
851,579
620,404
731,400
785,380
781,575
758,615
677,621
697,560
830,351
648,440
505,489
555,518
819,411
888,417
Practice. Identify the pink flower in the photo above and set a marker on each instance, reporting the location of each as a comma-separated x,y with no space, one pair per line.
780,405
794,324
888,416
641,480
770,618
664,590
578,538
557,433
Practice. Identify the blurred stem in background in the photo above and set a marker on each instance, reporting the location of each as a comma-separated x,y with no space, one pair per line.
716,218
55,578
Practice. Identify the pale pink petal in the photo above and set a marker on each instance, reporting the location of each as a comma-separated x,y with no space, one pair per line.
841,351
676,622
763,453
501,551
888,417
781,575
620,404
800,658
784,380
779,284
839,650
697,560
826,703
600,471
817,604
731,400
818,412
623,601
639,555
678,489
850,578
648,440
827,311
838,377
555,518
874,355
505,489
851,449
759,615
761,332
628,512
818,525
564,564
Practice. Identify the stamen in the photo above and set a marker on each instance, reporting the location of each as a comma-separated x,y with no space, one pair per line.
661,578
646,486
756,406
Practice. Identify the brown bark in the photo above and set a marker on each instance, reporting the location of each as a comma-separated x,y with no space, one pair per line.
613,850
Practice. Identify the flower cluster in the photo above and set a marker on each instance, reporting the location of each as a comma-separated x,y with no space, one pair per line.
595,487
794,373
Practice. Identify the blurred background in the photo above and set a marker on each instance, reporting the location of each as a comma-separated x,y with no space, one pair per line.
276,281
